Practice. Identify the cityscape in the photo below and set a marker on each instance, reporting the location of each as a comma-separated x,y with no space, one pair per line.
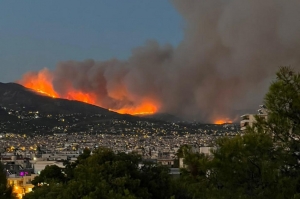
27,148
32,137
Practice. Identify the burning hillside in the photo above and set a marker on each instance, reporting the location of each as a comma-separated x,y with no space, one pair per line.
230,51
42,82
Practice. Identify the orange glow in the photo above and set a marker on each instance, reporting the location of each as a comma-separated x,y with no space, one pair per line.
81,96
222,121
42,82
146,108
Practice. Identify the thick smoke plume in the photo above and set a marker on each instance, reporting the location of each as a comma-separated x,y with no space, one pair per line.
230,52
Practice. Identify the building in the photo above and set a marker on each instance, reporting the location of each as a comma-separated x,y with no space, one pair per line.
38,165
19,173
250,119
21,183
206,150
247,120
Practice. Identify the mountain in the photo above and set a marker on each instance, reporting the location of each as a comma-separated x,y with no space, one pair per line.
15,96
24,111
164,117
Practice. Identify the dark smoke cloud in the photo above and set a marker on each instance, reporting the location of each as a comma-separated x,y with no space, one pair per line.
230,52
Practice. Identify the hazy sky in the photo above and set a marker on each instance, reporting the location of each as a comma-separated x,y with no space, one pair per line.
36,34
222,58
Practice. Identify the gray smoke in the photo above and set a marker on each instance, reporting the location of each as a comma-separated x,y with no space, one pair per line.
230,52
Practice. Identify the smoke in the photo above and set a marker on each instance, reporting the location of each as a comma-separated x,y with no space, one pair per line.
230,52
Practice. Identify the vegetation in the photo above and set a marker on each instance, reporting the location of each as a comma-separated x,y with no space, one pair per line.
5,190
263,163
104,175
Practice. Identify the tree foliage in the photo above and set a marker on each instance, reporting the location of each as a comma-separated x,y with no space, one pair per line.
105,174
264,163
5,190
283,102
50,174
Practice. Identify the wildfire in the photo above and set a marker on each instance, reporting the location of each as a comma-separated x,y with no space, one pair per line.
45,93
81,96
146,108
222,121
41,82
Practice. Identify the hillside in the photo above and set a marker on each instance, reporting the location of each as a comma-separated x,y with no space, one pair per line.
24,111
15,96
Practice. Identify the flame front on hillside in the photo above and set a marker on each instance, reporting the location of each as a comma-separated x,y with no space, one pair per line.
41,82
222,121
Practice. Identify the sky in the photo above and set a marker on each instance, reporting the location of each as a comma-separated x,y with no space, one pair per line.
37,34
223,54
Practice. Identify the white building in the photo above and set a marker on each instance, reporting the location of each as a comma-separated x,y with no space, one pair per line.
38,166
249,119
206,150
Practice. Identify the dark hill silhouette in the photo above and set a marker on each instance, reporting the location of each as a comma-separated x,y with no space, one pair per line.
164,117
19,106
15,96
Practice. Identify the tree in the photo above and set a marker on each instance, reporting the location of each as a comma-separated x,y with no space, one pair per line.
194,181
156,179
183,150
246,166
264,163
241,167
106,175
86,153
5,190
49,175
70,166
51,191
283,103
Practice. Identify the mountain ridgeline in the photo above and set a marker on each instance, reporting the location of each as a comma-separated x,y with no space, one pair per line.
25,111
15,96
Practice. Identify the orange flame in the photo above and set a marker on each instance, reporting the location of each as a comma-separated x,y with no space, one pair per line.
146,108
222,121
81,96
42,82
